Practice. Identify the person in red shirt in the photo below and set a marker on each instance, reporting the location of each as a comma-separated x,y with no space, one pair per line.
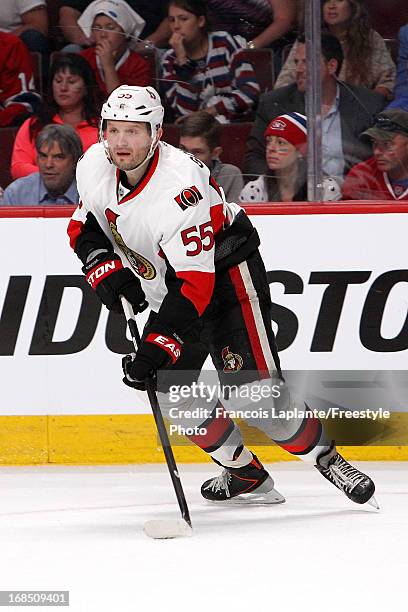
18,99
111,58
385,175
72,98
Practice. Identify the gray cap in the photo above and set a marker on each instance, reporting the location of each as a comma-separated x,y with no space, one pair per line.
387,124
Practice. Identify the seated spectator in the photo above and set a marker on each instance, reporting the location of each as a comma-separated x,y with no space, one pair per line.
347,111
71,99
263,23
205,70
155,32
401,85
18,99
58,150
200,135
367,60
385,175
27,19
109,23
285,179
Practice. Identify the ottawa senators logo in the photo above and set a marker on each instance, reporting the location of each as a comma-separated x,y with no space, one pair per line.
140,264
188,197
232,361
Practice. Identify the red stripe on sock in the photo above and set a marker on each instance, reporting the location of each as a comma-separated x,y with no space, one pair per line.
215,431
305,439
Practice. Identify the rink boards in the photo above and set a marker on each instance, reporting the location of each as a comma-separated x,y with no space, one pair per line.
339,282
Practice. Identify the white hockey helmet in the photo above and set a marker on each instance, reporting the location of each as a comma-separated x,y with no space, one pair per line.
133,103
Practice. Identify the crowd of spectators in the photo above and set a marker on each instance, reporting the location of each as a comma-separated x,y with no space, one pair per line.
367,60
203,56
347,110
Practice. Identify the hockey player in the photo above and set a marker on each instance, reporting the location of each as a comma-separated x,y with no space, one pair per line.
152,223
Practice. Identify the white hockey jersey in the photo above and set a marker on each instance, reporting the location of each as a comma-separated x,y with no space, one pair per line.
164,225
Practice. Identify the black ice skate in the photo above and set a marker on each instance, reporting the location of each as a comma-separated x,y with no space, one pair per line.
357,486
250,484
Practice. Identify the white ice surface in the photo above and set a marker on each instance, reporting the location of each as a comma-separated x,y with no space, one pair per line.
80,529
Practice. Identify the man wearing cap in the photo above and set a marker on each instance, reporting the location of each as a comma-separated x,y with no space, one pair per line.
385,175
110,24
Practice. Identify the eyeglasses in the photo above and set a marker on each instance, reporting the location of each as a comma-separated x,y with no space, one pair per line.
388,125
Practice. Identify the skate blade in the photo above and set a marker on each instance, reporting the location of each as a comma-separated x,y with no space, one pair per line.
253,499
167,529
373,502
259,499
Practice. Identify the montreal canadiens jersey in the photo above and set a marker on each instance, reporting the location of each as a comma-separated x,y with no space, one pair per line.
17,95
165,225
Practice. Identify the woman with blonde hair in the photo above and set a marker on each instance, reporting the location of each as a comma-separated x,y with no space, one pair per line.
367,60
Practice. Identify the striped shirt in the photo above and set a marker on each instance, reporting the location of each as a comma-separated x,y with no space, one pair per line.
224,79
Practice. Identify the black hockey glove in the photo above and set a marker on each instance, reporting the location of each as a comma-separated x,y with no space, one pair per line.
155,352
107,276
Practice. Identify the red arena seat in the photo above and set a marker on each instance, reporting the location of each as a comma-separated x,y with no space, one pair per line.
387,16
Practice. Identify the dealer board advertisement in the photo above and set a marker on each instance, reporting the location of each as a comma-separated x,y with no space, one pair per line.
339,284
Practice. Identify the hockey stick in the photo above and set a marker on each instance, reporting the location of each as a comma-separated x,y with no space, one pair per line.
161,529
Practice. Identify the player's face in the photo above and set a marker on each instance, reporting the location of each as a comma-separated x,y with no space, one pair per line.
56,168
68,89
336,12
129,143
188,25
280,154
106,29
197,146
392,155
